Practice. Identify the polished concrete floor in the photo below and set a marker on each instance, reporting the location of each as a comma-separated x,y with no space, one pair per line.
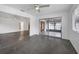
15,43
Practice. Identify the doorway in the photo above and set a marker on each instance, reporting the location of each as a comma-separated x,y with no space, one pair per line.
42,26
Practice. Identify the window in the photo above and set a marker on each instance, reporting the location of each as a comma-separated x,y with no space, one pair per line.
75,20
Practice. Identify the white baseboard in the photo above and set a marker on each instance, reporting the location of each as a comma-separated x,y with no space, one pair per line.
75,45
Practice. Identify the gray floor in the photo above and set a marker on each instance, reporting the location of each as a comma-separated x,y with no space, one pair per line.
37,44
54,34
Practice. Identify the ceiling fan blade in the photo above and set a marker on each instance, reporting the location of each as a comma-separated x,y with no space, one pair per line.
30,8
44,6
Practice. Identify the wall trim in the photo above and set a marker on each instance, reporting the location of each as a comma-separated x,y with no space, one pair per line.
76,48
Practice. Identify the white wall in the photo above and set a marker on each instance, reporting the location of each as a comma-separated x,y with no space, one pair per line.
34,26
73,35
64,16
15,11
37,27
11,23
8,23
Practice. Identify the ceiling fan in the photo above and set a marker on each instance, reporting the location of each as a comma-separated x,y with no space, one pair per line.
37,7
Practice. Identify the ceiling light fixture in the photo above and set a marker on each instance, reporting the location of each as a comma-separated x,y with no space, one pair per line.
37,7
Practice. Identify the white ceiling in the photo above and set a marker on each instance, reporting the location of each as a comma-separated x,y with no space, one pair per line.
53,8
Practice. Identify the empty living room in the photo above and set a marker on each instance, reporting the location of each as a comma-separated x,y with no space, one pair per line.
39,28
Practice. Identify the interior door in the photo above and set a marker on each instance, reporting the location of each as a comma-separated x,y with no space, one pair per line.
42,23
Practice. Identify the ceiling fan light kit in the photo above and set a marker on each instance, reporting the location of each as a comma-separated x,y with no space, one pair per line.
38,6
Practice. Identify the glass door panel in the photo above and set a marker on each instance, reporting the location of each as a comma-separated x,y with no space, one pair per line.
58,26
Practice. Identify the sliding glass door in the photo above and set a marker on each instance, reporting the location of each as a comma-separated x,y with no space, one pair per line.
54,27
